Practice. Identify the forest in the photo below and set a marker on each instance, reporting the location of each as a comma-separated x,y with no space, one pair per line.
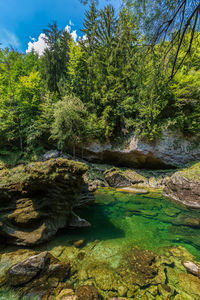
108,85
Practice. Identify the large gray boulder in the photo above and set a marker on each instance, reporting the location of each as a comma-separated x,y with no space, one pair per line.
184,186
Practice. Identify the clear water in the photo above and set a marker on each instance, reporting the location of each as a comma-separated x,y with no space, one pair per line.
148,221
122,220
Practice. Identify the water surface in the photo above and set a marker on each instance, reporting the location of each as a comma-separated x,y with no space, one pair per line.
148,221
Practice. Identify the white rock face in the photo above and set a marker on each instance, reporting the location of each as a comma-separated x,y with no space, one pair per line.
173,149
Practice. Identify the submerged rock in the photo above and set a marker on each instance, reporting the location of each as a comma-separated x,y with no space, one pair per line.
138,268
36,200
66,294
184,186
191,267
79,244
38,276
87,292
133,190
187,220
25,271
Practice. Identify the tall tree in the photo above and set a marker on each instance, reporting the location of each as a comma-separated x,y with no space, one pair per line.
107,26
56,56
90,29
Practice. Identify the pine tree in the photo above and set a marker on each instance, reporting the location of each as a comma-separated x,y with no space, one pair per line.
55,58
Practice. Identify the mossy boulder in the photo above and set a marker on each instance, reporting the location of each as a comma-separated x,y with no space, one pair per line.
38,276
35,267
184,186
37,199
118,178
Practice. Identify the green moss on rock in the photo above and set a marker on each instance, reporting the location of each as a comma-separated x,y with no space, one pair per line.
192,173
184,186
37,199
118,178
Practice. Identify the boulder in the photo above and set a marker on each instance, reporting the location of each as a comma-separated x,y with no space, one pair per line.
118,178
77,222
27,270
37,199
184,186
39,275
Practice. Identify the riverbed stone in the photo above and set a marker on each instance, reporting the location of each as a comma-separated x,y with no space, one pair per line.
25,271
138,268
66,294
41,265
191,267
87,292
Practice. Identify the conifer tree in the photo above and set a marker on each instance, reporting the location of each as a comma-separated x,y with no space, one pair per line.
55,58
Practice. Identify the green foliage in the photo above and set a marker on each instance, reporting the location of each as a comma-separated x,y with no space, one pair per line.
115,84
55,56
20,90
70,122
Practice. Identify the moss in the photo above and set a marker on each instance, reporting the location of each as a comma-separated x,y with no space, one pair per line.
48,169
2,165
114,176
192,172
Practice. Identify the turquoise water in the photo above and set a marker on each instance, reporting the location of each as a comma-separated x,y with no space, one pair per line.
148,221
121,222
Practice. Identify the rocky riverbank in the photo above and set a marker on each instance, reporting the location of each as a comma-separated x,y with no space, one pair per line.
37,200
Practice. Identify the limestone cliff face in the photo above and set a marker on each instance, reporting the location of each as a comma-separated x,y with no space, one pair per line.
184,186
36,200
173,149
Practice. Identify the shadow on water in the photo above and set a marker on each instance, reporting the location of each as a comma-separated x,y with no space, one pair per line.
148,221
101,227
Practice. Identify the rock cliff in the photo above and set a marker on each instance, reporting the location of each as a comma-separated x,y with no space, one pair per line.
171,150
37,199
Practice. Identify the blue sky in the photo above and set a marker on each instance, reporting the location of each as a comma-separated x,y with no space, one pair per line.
22,19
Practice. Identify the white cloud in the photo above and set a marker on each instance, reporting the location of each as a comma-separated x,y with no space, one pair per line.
74,35
37,45
8,38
